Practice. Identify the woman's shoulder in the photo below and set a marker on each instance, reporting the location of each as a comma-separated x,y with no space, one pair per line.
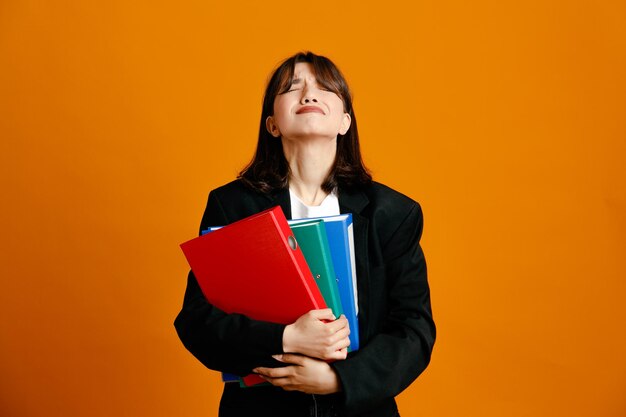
389,210
393,202
392,213
233,189
235,201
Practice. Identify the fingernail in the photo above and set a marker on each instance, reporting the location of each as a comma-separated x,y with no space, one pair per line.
278,357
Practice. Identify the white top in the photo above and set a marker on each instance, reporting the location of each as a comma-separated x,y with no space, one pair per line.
328,207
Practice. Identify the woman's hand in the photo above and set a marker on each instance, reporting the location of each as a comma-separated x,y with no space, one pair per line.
311,336
312,376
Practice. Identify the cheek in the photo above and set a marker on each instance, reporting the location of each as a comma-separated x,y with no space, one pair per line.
338,113
280,110
336,104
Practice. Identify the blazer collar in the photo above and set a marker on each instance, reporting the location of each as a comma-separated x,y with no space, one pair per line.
350,201
281,198
353,201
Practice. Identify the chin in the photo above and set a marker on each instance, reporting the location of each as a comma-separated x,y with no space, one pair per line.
311,136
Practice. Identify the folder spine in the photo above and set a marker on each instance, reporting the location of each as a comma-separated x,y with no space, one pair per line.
298,257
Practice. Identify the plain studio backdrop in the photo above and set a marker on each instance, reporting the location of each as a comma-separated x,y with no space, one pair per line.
505,120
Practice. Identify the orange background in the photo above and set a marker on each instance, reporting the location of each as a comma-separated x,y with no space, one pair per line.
506,120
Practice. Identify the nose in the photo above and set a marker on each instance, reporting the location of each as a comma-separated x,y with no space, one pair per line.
308,95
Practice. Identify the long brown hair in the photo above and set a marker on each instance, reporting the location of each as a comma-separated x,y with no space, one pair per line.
269,171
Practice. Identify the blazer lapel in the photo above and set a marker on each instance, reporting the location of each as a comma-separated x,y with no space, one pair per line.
281,198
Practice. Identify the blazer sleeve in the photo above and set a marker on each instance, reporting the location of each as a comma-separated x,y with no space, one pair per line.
223,342
394,357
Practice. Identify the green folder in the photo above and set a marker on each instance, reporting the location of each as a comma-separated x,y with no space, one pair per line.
311,237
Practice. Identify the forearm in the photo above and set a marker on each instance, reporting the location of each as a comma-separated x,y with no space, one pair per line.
385,366
225,342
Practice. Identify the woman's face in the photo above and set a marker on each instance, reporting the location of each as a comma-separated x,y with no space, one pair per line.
307,110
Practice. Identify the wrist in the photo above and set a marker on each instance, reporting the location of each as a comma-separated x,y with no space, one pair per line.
337,379
287,338
333,382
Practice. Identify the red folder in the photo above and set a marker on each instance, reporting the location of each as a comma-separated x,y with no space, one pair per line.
255,267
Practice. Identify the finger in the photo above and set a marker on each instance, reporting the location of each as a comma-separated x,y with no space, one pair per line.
274,372
277,382
339,324
339,337
291,358
323,314
342,333
344,321
332,353
339,355
341,344
262,372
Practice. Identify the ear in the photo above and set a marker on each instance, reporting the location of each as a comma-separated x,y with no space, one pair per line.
345,124
271,127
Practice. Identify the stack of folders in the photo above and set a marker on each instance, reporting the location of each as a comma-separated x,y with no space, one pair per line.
321,262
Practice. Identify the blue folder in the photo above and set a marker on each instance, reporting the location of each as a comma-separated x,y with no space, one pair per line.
339,231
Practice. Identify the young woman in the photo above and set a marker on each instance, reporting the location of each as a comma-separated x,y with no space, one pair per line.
308,161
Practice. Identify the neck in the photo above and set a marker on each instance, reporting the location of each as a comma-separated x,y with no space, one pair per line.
309,165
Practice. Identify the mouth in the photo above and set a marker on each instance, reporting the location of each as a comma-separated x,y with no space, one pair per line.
310,109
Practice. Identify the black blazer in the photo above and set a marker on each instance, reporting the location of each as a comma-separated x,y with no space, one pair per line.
396,328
